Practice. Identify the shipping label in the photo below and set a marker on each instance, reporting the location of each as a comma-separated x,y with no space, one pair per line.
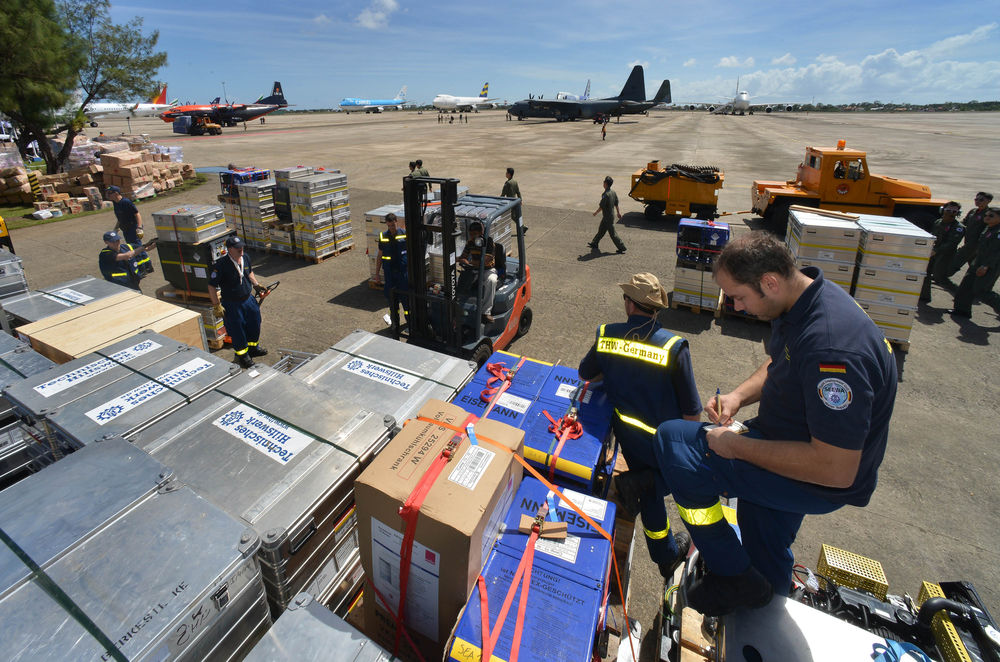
83,373
514,403
126,402
595,508
423,585
566,549
278,441
471,467
72,295
61,302
381,374
571,391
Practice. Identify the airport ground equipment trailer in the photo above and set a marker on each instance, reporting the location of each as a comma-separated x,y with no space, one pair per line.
680,191
196,126
446,302
838,179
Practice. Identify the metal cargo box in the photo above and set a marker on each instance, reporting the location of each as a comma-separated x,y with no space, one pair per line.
282,456
159,572
12,280
189,223
309,632
186,266
39,304
16,458
17,362
385,375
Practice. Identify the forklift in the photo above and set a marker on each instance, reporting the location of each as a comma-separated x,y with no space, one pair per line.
446,300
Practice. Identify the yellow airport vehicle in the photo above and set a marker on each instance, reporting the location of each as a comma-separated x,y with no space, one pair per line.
677,190
838,179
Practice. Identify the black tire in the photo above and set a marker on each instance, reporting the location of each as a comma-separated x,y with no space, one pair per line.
923,216
654,210
524,323
704,212
482,353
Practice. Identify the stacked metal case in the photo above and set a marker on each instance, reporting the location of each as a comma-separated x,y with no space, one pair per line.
16,458
698,242
12,280
283,177
186,265
123,562
892,261
118,390
321,213
189,223
252,214
39,304
17,361
281,456
825,242
309,632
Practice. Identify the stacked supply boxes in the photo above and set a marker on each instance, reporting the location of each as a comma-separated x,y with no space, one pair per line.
825,240
257,216
567,591
197,238
123,562
189,223
282,200
698,242
892,262
374,224
321,214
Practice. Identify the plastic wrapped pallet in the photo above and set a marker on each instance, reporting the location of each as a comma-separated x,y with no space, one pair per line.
117,537
824,241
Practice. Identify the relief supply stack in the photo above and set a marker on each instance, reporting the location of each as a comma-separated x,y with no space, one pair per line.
321,214
698,243
892,262
245,216
422,562
825,240
123,562
564,588
257,214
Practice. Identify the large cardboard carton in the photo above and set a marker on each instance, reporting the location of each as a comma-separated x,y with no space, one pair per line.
457,525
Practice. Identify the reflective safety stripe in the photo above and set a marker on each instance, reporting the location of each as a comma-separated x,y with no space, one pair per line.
702,516
241,352
657,535
633,349
635,422
387,258
119,273
251,344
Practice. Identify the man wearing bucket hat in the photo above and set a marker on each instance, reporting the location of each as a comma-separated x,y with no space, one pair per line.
117,260
648,378
231,285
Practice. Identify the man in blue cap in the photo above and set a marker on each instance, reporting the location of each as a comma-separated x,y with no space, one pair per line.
129,218
232,284
118,260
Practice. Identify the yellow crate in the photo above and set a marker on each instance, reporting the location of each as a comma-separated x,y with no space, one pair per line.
945,635
853,570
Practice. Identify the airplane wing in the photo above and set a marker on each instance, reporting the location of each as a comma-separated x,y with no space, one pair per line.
775,106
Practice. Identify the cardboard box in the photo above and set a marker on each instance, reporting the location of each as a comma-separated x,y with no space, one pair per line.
457,525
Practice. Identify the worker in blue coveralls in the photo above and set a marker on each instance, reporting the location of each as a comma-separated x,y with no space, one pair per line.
648,378
825,399
117,260
391,261
231,288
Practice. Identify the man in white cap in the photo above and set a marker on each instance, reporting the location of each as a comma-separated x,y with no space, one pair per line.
648,378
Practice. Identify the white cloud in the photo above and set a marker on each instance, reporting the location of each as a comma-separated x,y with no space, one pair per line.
785,60
322,19
644,63
733,61
955,44
376,15
689,63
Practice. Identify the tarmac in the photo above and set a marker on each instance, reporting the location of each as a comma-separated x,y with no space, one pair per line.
929,519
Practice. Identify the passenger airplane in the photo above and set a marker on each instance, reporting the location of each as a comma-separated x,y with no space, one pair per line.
572,97
156,105
740,105
374,105
467,104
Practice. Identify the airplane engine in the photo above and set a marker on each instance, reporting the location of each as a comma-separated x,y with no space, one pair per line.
711,109
788,109
691,107
768,109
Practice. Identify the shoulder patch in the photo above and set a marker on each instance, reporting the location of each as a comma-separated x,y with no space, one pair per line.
835,393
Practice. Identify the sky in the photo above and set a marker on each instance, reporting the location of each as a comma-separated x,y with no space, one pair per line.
782,52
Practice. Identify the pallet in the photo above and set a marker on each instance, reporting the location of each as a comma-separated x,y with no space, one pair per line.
695,308
169,292
215,343
323,258
900,345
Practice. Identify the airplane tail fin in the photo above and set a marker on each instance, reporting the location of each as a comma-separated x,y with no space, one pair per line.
160,98
663,94
174,102
486,91
277,97
214,101
586,92
635,86
402,93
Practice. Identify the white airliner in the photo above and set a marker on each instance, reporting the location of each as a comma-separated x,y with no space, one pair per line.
467,104
740,105
572,97
103,110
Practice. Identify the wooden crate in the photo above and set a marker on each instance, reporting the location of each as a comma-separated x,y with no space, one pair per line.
85,329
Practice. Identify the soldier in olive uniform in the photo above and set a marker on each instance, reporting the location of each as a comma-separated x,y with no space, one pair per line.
608,207
973,229
982,273
949,233
512,190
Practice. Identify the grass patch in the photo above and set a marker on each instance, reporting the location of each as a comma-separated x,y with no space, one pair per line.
20,216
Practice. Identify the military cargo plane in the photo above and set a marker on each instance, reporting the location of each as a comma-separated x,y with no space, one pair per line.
631,101
231,114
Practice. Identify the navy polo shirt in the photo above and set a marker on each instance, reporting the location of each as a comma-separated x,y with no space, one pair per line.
233,286
833,377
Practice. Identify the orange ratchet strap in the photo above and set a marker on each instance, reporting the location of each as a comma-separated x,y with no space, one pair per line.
567,427
500,373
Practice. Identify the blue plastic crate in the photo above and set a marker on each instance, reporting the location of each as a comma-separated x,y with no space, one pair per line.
509,408
581,461
700,241
564,386
527,380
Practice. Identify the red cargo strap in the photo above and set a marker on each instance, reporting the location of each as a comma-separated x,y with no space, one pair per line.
180,253
522,578
565,428
388,608
500,373
410,511
587,518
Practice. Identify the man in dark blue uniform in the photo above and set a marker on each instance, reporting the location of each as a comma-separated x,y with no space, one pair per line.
648,378
231,285
117,260
391,261
826,395
129,218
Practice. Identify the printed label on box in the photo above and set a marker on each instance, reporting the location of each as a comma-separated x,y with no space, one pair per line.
592,506
83,373
565,549
61,302
514,403
278,441
471,467
128,401
381,374
73,295
422,588
568,391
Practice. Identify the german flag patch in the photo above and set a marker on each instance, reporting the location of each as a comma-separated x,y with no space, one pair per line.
833,367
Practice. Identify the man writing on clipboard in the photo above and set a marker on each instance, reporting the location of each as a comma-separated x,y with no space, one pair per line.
826,396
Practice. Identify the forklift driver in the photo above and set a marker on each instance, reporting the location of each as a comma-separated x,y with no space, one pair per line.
477,249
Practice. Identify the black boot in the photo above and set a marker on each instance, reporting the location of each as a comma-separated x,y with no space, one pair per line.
244,360
683,540
257,350
717,595
630,485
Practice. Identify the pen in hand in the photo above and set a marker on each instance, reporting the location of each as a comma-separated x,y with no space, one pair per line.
718,406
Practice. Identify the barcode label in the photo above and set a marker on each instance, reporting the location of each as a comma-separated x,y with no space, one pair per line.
471,467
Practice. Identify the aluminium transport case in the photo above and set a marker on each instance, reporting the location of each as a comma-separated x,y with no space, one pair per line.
16,457
12,280
161,573
17,362
309,632
39,304
281,456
